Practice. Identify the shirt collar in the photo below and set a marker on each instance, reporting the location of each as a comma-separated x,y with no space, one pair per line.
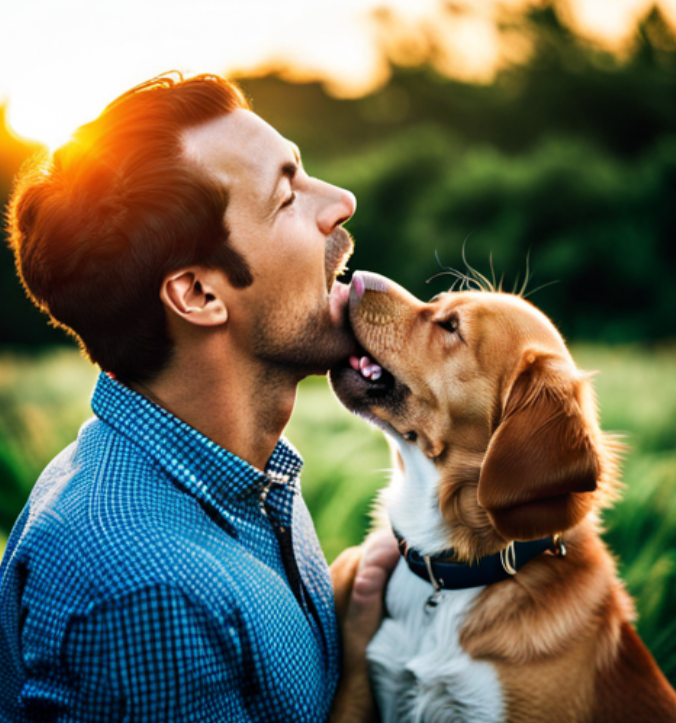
201,466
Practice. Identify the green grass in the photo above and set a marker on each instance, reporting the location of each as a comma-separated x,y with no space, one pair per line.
44,399
637,395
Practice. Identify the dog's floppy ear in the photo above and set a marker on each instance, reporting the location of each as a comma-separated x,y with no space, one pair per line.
541,460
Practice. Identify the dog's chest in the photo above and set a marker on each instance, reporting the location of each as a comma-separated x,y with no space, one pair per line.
419,671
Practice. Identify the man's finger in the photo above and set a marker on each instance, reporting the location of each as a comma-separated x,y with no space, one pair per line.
365,607
379,558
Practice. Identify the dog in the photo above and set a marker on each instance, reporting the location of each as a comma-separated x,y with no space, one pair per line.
506,605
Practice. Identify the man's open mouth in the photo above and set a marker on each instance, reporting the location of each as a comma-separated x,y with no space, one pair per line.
339,249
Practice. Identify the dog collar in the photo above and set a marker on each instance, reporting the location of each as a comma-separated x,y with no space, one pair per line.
445,575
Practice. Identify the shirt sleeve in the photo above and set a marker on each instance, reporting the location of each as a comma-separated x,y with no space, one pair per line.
153,655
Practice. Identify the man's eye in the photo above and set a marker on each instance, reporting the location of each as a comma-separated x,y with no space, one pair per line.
289,200
450,325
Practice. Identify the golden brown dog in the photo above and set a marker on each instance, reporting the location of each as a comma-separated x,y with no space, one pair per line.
496,443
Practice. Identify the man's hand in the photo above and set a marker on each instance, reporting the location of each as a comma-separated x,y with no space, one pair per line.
359,577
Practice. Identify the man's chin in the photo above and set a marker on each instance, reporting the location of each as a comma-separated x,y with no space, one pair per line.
333,353
321,341
316,351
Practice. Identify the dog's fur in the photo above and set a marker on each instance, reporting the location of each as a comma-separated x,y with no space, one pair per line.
507,448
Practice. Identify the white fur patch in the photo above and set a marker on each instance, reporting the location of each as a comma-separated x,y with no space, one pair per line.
418,669
412,502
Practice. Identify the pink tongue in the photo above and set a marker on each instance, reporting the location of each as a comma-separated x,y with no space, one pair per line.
354,363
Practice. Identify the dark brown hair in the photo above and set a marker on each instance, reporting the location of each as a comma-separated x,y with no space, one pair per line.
96,227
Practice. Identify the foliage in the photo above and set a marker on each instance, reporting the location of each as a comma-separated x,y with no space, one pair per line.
602,228
44,400
569,88
570,159
572,156
637,393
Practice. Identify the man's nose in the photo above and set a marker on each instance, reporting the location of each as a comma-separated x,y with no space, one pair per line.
339,205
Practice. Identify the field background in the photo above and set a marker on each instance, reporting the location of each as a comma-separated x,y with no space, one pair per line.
45,398
559,157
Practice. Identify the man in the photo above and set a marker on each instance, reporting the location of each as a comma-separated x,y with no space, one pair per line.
165,567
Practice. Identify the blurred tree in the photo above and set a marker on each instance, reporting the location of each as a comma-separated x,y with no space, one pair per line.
570,156
568,88
603,228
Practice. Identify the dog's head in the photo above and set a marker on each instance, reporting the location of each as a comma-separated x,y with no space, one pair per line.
483,384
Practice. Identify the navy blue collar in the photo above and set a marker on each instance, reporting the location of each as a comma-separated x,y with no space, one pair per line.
445,575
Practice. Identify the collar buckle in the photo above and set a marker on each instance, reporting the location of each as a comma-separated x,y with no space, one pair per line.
437,585
558,545
508,559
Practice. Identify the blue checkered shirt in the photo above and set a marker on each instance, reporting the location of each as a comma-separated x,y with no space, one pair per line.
154,576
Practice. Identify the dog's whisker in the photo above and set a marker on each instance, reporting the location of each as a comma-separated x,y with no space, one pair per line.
482,282
447,272
474,280
538,288
527,277
490,261
460,277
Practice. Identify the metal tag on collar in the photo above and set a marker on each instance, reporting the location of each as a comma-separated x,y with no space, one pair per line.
434,599
508,559
559,545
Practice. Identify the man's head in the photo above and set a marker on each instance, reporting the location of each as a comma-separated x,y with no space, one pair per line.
287,226
149,205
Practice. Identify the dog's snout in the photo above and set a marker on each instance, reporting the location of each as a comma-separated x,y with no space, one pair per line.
363,281
366,281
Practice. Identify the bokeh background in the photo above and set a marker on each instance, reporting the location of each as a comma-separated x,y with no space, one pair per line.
537,135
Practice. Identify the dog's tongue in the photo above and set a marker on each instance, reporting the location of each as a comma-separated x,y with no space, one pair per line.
366,367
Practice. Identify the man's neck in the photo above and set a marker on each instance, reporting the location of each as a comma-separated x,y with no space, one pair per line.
241,406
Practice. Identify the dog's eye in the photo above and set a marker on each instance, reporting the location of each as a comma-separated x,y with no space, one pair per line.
451,324
410,436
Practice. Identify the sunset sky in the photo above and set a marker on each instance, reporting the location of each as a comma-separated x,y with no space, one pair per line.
62,62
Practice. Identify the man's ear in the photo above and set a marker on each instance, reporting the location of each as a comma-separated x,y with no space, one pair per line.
196,294
541,462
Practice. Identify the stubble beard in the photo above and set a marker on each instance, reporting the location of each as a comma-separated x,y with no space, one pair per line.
311,343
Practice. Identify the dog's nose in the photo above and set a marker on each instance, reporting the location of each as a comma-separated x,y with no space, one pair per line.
366,281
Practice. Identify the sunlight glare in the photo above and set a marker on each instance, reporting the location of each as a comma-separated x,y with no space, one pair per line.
31,117
612,25
62,63
77,56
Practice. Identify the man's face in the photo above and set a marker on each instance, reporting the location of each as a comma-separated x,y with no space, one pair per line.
287,226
